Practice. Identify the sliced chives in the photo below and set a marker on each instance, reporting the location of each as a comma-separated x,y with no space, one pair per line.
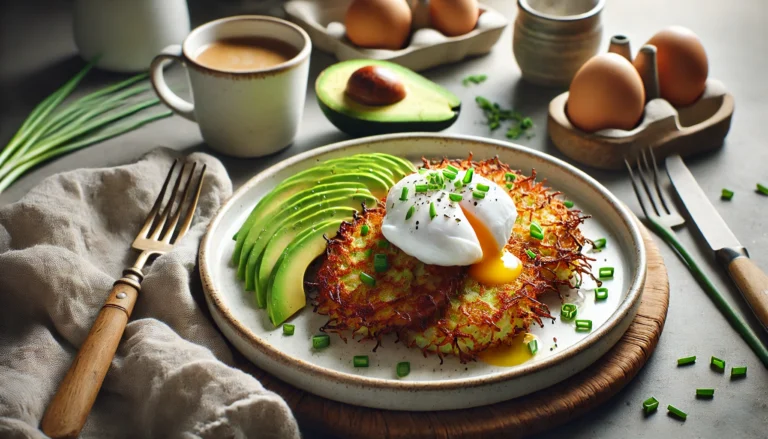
321,341
403,369
434,186
458,184
536,231
452,168
530,253
449,174
288,329
762,189
650,405
383,243
726,194
569,204
404,193
601,293
708,393
605,272
686,360
423,171
600,243
738,372
533,347
368,253
537,235
380,263
432,211
718,364
411,211
510,176
421,187
468,176
482,187
455,197
583,325
360,361
364,230
677,412
568,311
509,185
367,279
479,195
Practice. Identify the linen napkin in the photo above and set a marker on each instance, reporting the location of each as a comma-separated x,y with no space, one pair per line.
61,248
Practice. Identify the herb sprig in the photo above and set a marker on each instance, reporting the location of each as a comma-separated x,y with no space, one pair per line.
495,115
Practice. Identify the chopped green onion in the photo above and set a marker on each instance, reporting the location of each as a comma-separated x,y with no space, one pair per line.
510,176
536,231
360,361
601,293
458,184
421,187
708,393
605,272
718,364
468,176
583,325
479,195
452,168
449,175
530,253
533,347
509,185
526,123
600,243
288,329
380,263
686,360
321,341
383,243
368,253
433,186
537,235
762,189
726,194
423,171
569,204
367,279
650,405
404,194
364,230
738,372
482,187
455,197
432,211
411,211
677,412
568,311
403,369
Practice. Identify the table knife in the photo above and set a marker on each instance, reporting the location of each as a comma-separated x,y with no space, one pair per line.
748,277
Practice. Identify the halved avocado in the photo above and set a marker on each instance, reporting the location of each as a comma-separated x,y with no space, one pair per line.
426,107
285,292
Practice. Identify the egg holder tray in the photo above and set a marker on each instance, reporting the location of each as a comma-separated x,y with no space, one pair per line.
323,21
696,128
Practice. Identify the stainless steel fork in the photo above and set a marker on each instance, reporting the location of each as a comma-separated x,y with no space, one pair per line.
67,412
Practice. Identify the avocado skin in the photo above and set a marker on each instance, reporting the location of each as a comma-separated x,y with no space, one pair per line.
358,127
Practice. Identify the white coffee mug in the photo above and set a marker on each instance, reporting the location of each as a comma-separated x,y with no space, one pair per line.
240,113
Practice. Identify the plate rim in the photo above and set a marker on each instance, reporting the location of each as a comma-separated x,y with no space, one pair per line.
213,296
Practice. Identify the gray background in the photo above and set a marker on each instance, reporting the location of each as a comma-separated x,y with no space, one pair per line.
37,54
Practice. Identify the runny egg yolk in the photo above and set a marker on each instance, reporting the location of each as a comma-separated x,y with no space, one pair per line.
498,266
510,355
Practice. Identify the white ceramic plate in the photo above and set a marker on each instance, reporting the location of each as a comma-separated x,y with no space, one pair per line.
430,385
427,47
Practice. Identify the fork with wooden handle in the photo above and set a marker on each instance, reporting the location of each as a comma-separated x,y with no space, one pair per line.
67,412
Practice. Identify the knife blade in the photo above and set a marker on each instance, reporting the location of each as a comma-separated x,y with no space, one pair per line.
748,277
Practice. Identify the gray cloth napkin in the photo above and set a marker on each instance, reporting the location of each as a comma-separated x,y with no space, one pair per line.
61,248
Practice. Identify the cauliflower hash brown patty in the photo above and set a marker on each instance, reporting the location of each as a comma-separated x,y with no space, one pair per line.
441,309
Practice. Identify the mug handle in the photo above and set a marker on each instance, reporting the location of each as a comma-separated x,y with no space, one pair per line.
169,98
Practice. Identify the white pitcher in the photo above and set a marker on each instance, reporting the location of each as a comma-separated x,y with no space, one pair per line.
127,34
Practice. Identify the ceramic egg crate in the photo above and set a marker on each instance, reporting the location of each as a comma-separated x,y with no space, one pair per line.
667,129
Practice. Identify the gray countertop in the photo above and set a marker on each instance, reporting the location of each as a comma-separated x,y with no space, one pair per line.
37,54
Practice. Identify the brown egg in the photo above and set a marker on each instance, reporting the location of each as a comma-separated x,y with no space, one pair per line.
682,64
606,92
379,24
453,17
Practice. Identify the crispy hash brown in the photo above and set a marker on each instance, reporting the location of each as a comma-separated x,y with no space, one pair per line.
441,309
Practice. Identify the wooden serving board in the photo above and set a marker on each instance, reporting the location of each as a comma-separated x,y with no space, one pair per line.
516,418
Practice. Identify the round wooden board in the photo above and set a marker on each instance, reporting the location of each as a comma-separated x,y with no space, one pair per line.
516,418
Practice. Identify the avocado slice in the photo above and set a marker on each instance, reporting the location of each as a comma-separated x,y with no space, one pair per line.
426,107
285,292
400,167
290,230
345,164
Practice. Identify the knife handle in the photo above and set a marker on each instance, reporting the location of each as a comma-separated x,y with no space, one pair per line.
751,280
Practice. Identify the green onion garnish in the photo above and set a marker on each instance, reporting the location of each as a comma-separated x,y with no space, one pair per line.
677,412
568,311
364,230
458,184
533,347
468,176
738,372
479,195
404,194
726,194
367,279
605,272
410,212
321,341
423,171
360,361
383,243
434,186
510,176
526,123
509,185
455,197
601,293
707,393
449,175
432,211
717,364
380,263
536,231
650,405
762,189
288,329
368,253
403,369
421,187
482,187
530,253
686,360
452,168
583,325
600,243
569,204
